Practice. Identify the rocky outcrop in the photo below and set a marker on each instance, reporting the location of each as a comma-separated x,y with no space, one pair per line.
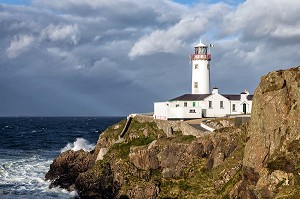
65,169
270,166
275,118
151,163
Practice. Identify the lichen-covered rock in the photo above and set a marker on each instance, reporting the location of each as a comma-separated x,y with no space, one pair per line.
271,159
275,120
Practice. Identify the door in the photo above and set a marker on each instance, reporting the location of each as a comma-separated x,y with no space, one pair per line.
244,108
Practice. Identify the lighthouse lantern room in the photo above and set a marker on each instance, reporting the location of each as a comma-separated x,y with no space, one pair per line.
200,69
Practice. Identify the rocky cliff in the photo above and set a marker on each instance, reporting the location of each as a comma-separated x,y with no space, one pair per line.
168,159
271,160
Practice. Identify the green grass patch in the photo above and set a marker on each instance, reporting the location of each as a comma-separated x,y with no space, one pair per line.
121,150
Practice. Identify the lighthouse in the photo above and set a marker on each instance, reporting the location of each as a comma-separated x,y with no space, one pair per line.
200,69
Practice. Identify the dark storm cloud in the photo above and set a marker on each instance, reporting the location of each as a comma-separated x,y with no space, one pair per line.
79,57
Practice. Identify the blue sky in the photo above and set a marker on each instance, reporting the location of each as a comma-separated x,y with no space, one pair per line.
16,2
83,57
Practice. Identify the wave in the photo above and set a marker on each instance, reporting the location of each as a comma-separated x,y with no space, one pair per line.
22,176
79,144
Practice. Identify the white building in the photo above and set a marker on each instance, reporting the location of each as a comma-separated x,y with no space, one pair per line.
202,103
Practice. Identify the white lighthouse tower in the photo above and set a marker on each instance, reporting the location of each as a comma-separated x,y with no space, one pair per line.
200,69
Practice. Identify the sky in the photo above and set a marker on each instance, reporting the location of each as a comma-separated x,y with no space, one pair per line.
109,58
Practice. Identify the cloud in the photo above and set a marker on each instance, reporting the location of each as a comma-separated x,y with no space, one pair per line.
172,39
256,19
81,57
18,45
62,33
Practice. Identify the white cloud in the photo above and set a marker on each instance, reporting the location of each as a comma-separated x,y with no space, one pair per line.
62,32
256,18
193,23
170,40
18,45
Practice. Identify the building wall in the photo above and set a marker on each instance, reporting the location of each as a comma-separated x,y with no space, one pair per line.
198,109
176,110
216,110
160,110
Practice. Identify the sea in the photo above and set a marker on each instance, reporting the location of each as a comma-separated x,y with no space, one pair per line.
28,146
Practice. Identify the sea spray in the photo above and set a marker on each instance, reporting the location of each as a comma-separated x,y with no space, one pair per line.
79,144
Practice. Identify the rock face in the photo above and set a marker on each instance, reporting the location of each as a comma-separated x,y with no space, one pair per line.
65,169
275,120
270,160
168,159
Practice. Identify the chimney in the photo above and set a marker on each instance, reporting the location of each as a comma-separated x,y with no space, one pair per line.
215,90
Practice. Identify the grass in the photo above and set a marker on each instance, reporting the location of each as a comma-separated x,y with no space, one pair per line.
121,150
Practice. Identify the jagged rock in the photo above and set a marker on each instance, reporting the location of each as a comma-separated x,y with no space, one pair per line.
275,117
65,168
148,191
271,153
97,183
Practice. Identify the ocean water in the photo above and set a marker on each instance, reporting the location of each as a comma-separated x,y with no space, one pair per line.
28,146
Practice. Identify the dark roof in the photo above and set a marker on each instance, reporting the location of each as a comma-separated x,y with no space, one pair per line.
198,97
231,97
190,97
236,97
250,97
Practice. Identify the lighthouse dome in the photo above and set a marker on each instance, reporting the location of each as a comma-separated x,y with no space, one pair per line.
200,44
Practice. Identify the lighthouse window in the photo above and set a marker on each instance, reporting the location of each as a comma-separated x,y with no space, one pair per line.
195,84
208,66
203,51
196,66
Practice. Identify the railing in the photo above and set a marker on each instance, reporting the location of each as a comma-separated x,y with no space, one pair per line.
198,56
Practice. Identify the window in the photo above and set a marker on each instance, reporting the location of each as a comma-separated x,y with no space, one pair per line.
192,111
185,104
177,105
209,104
208,66
221,104
233,107
194,104
196,66
195,84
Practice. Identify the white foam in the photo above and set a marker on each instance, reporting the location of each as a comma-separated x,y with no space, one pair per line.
80,143
23,177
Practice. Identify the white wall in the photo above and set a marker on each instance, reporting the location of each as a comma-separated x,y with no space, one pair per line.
160,110
184,112
176,110
202,76
216,110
